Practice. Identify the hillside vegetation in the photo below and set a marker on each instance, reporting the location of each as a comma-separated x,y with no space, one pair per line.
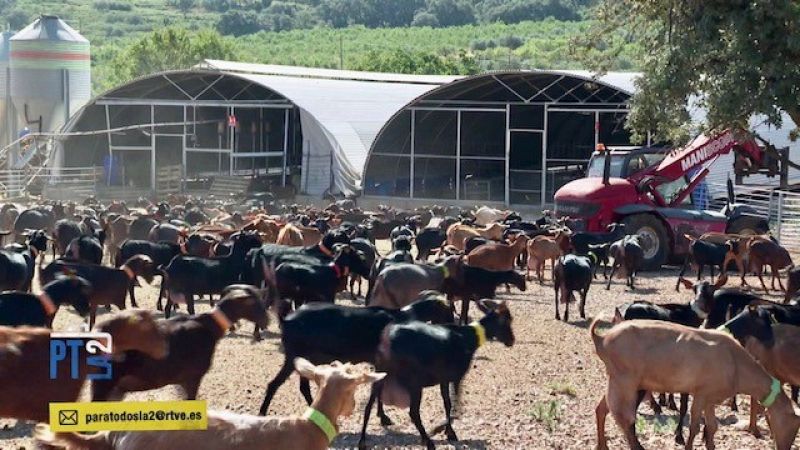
131,38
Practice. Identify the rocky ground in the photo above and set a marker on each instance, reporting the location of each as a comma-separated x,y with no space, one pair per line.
539,394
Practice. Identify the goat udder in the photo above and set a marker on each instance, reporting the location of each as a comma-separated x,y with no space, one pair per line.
395,395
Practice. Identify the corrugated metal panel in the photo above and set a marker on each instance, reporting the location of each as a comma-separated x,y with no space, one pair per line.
333,74
352,111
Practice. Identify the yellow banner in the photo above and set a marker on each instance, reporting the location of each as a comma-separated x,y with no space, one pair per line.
129,416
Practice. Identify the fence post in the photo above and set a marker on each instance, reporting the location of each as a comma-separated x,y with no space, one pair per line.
780,216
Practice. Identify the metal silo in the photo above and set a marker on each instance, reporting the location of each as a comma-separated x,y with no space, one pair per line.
6,117
50,73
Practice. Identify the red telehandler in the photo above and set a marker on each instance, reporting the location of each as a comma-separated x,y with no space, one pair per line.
649,190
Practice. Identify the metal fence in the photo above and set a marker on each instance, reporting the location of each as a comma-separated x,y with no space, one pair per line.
781,208
58,184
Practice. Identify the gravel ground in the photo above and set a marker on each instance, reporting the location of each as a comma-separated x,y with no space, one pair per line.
539,394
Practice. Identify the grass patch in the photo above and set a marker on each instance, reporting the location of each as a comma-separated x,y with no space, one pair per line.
547,413
563,388
658,425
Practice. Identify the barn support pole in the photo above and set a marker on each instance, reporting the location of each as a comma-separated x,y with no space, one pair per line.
411,166
508,155
183,146
152,148
596,129
285,145
110,152
544,159
458,155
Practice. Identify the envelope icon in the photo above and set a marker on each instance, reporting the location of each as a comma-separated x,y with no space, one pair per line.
68,417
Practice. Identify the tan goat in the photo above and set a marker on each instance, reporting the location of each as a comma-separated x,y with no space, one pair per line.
544,248
457,233
647,355
290,235
26,389
228,431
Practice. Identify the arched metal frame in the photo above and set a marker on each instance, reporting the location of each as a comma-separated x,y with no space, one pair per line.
164,107
549,122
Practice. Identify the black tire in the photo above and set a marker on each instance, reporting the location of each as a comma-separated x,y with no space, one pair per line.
651,229
748,225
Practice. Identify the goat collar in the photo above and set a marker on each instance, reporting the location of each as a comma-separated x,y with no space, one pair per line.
48,305
774,389
700,313
445,271
341,272
480,332
128,271
325,250
724,329
221,319
322,422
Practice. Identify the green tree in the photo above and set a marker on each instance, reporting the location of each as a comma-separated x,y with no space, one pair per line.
168,49
422,63
184,6
452,12
425,19
736,58
237,22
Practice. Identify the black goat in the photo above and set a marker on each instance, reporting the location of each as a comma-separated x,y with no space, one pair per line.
628,254
65,231
86,249
582,240
304,283
110,286
472,283
370,254
572,273
160,252
704,253
22,308
322,333
192,342
272,255
140,228
418,355
187,276
18,262
428,240
601,252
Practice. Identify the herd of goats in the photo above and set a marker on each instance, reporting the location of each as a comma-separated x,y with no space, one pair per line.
293,261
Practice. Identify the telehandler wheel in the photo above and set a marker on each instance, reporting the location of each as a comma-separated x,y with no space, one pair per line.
655,242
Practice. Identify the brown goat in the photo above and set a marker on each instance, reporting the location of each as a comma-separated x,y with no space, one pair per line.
192,343
290,235
457,234
26,389
543,248
336,397
642,355
497,257
769,253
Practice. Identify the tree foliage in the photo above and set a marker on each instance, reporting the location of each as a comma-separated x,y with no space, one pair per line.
733,58
403,61
168,49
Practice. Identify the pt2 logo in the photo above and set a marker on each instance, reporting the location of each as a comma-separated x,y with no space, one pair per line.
72,347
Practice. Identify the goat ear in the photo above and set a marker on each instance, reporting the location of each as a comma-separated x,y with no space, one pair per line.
686,283
305,368
372,377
